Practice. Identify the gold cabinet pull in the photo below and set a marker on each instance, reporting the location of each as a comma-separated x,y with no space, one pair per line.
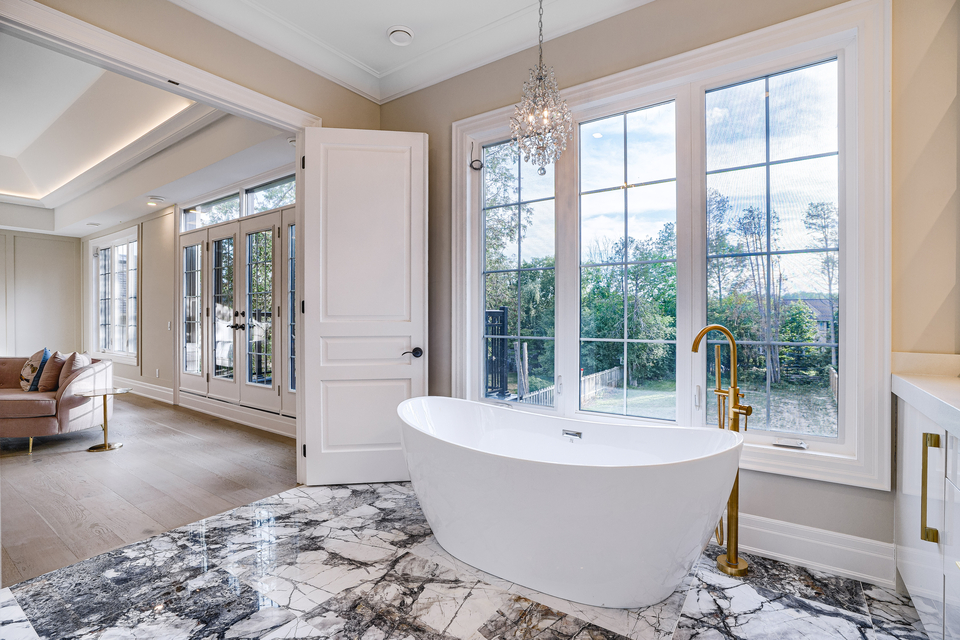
927,533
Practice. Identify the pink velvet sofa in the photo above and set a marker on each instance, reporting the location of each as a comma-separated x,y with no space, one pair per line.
28,414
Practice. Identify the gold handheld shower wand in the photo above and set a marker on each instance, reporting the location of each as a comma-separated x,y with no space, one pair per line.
729,411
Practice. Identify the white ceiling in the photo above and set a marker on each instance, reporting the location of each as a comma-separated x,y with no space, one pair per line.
346,41
37,87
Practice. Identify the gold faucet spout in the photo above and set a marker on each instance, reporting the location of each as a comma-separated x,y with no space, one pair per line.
733,348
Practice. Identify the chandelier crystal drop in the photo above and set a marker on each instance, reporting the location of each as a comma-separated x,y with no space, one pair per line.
541,123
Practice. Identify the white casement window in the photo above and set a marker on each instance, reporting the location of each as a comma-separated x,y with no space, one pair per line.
744,184
116,266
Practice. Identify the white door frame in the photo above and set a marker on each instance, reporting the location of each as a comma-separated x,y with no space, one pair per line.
78,39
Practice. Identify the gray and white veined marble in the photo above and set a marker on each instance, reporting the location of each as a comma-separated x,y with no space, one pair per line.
359,561
13,621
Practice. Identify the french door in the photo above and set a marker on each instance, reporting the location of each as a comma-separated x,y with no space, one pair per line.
237,323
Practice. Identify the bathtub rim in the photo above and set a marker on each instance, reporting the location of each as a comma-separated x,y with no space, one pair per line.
738,437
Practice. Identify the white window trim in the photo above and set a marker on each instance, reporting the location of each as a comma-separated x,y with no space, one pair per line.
859,34
112,240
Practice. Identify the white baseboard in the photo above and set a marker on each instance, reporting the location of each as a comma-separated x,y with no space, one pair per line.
837,553
153,391
263,420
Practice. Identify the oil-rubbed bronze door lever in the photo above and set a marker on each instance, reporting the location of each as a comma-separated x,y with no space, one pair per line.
417,352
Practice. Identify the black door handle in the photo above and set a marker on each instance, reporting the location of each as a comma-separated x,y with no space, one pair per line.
417,352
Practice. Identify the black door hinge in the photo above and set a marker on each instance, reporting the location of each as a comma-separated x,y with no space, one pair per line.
302,307
303,162
304,451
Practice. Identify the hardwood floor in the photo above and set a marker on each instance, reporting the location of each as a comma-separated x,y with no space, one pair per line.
64,504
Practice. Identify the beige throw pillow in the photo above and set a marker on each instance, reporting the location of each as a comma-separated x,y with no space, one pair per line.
50,378
75,362
31,367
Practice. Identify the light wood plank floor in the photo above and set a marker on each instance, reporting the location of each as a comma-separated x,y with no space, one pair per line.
64,504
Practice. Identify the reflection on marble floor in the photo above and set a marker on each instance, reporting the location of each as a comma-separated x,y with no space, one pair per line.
360,562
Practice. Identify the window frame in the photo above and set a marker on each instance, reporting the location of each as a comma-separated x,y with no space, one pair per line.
858,35
241,190
112,241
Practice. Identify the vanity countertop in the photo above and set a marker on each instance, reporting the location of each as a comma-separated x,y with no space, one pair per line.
936,396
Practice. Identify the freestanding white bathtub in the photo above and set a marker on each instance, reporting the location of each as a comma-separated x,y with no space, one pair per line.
614,518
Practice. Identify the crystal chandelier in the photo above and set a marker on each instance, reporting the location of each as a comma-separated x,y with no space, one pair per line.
541,123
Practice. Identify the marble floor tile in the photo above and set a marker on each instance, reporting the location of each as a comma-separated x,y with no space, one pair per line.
654,622
13,621
809,584
893,615
720,606
360,562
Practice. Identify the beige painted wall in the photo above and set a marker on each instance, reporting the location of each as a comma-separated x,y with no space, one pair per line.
41,293
157,248
165,27
925,294
926,224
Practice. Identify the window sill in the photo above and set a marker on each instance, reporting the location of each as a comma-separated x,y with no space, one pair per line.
117,358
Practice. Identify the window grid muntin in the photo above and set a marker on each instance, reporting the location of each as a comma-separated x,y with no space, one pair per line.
292,304
132,294
770,252
260,308
624,264
193,308
518,336
224,310
105,267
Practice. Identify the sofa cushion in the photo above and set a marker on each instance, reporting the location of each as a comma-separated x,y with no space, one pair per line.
75,362
16,403
50,377
31,370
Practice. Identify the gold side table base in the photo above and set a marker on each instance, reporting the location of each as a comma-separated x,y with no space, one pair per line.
106,446
739,570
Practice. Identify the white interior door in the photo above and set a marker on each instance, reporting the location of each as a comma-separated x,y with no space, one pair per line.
193,368
364,252
259,387
224,344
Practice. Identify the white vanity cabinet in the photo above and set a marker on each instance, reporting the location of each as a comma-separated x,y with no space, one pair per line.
951,546
919,560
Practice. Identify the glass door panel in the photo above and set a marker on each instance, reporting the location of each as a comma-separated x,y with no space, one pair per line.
226,326
286,353
192,361
261,387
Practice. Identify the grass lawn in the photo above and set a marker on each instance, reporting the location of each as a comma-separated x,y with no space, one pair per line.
797,409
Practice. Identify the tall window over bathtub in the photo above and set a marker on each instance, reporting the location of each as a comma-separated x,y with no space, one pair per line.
628,263
519,292
773,243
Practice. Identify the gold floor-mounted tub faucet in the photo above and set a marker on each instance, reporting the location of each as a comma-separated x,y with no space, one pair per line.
729,411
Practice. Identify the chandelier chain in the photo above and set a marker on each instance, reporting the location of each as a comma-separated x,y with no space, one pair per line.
540,25
541,122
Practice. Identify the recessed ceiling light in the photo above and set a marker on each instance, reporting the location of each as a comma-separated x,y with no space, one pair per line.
400,35
153,201
598,135
93,224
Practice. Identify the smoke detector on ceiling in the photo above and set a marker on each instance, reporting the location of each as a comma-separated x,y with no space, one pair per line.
400,35
153,201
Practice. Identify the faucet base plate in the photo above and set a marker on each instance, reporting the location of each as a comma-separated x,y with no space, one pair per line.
738,570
